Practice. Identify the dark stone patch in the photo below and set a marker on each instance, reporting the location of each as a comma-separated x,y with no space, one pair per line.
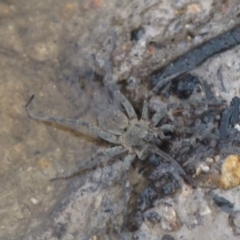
147,198
134,221
223,203
230,116
185,86
167,237
59,230
153,217
137,34
197,56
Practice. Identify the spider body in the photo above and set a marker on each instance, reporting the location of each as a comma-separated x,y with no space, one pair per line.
130,135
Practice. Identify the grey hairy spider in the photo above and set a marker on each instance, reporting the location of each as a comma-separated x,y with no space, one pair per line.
132,136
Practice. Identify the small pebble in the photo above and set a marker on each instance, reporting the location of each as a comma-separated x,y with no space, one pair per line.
230,172
217,158
93,237
41,52
205,168
209,160
34,201
237,127
202,168
193,8
170,220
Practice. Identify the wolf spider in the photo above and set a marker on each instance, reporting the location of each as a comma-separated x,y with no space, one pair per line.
132,136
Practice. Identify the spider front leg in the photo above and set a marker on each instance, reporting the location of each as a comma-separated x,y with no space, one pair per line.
127,105
145,111
73,124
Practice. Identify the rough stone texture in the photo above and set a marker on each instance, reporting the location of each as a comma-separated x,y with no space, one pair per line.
50,50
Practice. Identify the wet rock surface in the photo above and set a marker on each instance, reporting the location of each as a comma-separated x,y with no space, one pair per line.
71,58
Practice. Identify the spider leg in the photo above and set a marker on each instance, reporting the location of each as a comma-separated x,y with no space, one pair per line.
73,124
145,115
167,157
127,105
163,82
125,188
158,116
102,157
128,161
